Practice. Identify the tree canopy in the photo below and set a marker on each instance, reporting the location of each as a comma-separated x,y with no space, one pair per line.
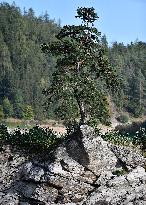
81,63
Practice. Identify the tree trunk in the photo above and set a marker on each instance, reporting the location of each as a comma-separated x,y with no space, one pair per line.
79,101
82,113
81,109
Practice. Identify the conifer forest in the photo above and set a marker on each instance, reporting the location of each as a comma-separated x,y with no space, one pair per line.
25,71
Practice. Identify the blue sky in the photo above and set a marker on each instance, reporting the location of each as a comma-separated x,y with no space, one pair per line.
120,20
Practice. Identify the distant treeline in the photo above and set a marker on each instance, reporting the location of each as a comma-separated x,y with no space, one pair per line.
130,63
25,71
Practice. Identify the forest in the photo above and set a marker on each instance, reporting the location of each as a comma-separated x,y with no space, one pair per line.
25,70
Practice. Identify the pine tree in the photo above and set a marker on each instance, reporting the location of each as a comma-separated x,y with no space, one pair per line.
18,104
1,113
81,62
136,105
5,70
7,108
28,113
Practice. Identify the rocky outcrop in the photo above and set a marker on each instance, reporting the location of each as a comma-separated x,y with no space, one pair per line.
83,170
130,157
127,189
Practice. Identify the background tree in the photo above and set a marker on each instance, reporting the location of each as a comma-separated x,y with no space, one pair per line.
7,108
130,63
6,70
18,104
28,113
22,64
81,62
1,113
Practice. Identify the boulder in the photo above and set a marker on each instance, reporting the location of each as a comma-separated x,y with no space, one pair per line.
121,190
130,157
9,199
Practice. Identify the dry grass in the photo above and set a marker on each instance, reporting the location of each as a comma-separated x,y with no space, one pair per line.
60,129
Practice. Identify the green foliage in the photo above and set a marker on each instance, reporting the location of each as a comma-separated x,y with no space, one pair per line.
123,118
87,14
129,61
7,108
18,110
137,138
28,113
36,139
24,69
116,138
3,132
1,113
144,154
81,62
140,138
135,109
18,105
131,128
71,127
119,172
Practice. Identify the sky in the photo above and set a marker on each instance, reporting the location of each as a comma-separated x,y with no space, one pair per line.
120,20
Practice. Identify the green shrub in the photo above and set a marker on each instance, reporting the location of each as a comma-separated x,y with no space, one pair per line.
28,113
3,132
116,138
123,118
36,138
144,154
137,139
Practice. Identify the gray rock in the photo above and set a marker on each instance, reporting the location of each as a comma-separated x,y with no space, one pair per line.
65,166
45,194
131,157
24,203
137,176
99,155
104,178
31,172
25,188
120,190
118,182
82,172
140,202
9,199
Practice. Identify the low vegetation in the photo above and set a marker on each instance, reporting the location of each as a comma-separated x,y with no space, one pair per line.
137,139
35,139
39,139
